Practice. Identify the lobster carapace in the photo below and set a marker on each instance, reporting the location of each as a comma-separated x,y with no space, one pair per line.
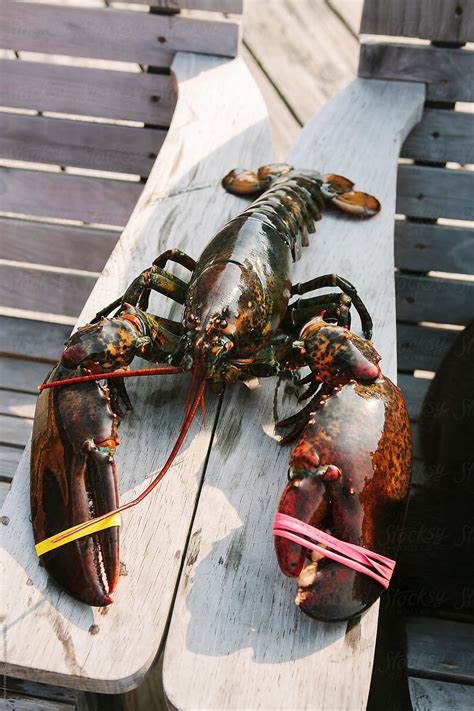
239,321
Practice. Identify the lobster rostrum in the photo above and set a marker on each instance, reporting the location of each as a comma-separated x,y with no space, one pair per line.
239,321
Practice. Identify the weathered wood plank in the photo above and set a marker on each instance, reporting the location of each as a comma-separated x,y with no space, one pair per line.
183,204
88,92
56,245
227,6
4,489
17,404
414,391
350,11
285,127
442,136
444,71
438,248
22,375
79,144
18,703
15,431
48,292
433,299
236,638
437,20
435,192
67,197
307,68
440,649
41,691
430,695
421,348
113,34
28,338
9,459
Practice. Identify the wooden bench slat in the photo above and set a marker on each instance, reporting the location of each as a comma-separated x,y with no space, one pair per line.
234,618
440,649
44,691
18,703
113,34
22,375
227,6
442,136
87,92
79,144
15,431
421,348
433,299
444,71
438,248
17,404
427,694
414,391
440,20
67,197
48,292
56,245
9,458
28,338
435,192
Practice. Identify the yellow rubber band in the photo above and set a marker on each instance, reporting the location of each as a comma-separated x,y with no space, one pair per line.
49,544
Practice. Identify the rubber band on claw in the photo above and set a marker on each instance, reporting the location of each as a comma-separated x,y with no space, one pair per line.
75,532
376,566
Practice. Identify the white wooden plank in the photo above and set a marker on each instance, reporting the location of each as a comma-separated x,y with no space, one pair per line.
183,204
236,639
350,11
9,458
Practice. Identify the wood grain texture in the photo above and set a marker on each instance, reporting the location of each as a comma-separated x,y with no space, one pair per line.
421,348
307,67
79,144
9,459
113,34
430,695
444,71
441,248
441,649
236,639
56,245
226,6
15,431
47,633
17,404
433,299
24,376
27,338
67,197
439,20
442,136
83,91
414,391
350,11
40,290
435,192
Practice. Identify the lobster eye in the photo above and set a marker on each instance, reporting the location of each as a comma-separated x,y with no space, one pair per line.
222,324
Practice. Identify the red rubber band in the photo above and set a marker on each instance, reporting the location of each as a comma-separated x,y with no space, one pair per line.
376,566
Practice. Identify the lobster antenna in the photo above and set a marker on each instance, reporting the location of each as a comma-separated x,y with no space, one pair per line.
171,370
161,473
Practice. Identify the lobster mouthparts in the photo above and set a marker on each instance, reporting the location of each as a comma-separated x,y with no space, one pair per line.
73,479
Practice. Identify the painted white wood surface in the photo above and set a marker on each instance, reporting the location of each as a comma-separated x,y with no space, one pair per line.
220,121
236,639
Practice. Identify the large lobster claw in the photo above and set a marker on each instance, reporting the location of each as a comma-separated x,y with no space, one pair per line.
72,480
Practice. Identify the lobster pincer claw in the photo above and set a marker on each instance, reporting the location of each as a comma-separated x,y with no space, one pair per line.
73,479
345,503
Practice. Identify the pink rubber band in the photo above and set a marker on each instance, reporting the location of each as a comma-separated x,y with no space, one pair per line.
377,566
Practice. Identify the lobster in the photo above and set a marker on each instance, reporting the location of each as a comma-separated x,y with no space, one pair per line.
239,322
